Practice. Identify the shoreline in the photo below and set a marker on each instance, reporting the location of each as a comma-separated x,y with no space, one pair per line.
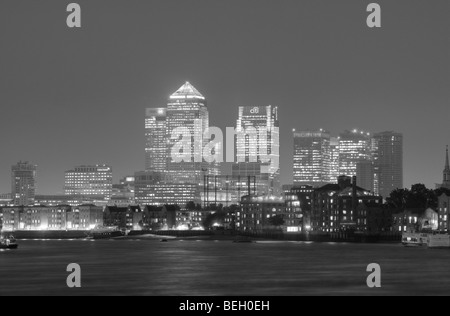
217,236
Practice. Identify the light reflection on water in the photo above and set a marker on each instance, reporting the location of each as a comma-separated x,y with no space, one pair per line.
221,268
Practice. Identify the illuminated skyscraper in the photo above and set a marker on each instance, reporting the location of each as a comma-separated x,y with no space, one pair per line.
156,139
187,110
312,158
23,183
89,181
258,146
334,160
354,147
388,162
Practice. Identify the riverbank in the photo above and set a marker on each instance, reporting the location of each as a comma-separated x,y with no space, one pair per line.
383,238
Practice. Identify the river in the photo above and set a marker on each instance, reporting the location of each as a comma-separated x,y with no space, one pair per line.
201,268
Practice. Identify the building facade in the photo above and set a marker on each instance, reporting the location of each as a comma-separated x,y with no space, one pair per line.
23,183
444,213
312,158
152,189
92,180
58,218
354,147
258,144
256,211
187,112
156,149
388,162
335,206
72,200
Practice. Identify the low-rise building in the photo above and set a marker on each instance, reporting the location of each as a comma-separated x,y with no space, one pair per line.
444,213
129,218
335,206
57,218
256,211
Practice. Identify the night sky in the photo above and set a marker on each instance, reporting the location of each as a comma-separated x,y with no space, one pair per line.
78,96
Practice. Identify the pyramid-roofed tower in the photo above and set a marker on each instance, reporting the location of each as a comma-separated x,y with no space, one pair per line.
187,91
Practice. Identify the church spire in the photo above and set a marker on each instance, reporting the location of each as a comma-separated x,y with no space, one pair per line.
447,165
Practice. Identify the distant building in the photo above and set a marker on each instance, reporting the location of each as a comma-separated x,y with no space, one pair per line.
446,173
6,199
129,218
334,159
388,162
72,200
187,110
312,159
365,174
335,206
444,213
228,190
23,183
57,218
123,193
152,189
261,180
160,217
156,149
256,212
89,180
258,146
354,147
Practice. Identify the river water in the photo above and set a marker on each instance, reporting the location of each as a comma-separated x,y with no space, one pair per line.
203,268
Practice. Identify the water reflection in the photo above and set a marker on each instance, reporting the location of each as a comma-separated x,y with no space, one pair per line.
220,268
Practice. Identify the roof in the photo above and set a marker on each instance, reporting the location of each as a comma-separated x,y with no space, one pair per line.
187,91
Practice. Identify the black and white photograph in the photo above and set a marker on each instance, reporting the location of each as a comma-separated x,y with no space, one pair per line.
224,155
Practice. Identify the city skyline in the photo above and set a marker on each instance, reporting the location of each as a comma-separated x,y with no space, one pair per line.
385,82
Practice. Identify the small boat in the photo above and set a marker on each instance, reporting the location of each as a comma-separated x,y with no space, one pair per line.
164,240
105,233
415,239
8,243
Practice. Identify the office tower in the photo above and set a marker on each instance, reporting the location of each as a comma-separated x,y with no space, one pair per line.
258,146
151,189
95,180
187,110
365,175
354,147
446,173
312,161
334,160
156,139
388,162
23,183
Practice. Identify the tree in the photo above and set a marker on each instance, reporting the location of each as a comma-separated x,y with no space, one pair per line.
419,197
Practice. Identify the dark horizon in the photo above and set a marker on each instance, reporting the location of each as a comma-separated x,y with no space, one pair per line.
73,97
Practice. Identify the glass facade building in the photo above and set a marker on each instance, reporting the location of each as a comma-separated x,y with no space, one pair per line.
23,183
388,162
156,139
93,180
312,158
258,147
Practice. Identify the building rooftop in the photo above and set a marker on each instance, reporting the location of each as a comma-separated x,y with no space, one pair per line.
187,91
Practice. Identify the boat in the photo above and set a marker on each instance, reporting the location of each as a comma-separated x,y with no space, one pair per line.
8,243
429,240
415,239
106,233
